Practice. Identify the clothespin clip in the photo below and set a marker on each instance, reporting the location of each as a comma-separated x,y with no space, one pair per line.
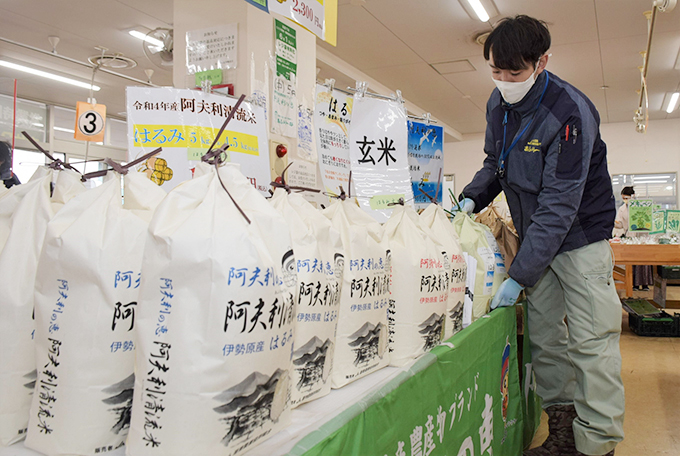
427,117
56,163
399,202
330,84
206,86
398,98
361,88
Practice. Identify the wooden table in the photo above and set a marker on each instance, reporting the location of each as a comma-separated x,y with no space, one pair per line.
631,254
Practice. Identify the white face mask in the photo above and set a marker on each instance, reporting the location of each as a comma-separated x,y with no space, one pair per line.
513,92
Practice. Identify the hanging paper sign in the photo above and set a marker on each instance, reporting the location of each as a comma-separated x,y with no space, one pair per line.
261,4
212,48
286,49
332,118
301,174
90,122
640,214
426,161
308,13
284,107
378,149
306,147
184,123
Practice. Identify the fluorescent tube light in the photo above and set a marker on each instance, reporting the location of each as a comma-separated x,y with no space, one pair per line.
670,187
649,182
47,75
65,130
673,103
142,36
479,10
652,176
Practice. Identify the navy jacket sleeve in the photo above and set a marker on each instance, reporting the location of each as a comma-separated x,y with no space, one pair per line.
565,172
485,185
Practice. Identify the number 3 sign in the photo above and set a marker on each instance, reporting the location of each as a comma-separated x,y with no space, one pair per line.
90,122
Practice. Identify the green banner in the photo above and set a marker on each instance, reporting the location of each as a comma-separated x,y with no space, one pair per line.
463,398
531,403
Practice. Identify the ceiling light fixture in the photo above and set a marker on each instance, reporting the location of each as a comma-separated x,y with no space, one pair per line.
65,130
673,102
143,36
47,75
479,10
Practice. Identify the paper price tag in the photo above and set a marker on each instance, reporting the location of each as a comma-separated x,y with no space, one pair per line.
383,201
90,122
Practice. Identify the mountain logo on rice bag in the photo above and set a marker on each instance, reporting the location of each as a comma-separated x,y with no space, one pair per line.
456,316
121,398
432,330
251,404
368,342
313,363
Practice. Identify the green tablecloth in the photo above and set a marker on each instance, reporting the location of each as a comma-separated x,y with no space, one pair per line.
462,399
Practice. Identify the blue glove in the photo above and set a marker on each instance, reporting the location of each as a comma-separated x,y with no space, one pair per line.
507,294
467,206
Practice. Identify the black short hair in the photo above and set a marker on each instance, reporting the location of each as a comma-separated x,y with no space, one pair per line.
628,191
516,41
5,156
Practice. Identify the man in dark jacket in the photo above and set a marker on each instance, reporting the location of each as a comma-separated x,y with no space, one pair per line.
543,149
6,175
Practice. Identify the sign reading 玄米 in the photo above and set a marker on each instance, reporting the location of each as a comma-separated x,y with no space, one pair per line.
378,146
184,123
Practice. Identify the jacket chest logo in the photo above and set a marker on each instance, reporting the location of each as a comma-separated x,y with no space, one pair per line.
533,146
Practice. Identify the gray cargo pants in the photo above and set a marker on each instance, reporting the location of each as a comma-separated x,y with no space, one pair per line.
580,363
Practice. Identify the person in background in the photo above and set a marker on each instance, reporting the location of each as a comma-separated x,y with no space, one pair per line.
8,177
543,149
642,275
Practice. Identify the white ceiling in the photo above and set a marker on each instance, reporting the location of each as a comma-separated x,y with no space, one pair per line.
595,43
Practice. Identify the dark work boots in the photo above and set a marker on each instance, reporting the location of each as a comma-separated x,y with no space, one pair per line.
560,441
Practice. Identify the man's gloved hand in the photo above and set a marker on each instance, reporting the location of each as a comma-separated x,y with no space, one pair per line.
467,206
507,294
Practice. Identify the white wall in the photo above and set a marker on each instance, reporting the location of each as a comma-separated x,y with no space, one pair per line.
629,152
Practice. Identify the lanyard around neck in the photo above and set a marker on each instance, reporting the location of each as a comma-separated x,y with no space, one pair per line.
500,171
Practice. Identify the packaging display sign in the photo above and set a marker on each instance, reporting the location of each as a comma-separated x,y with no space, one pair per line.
184,123
673,221
640,215
658,222
308,13
332,119
426,161
379,152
